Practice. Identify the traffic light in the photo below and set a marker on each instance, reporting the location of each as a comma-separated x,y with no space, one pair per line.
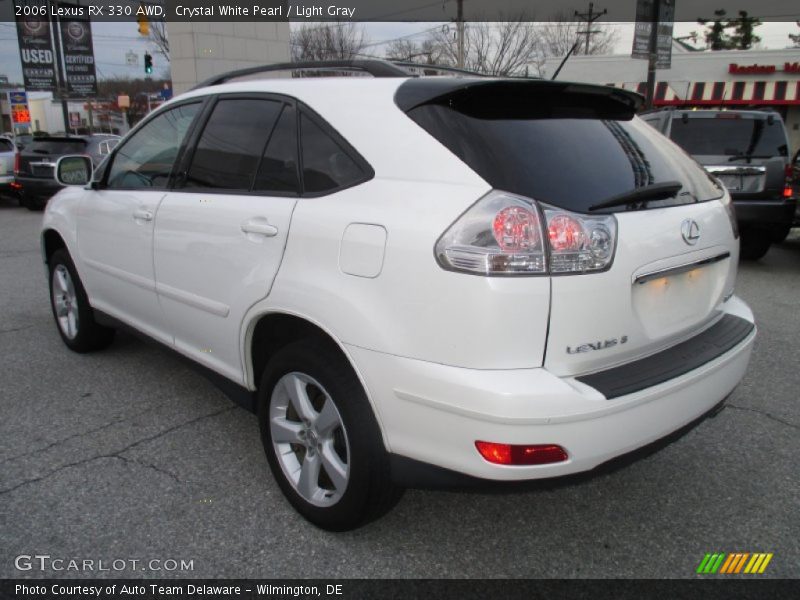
144,25
148,63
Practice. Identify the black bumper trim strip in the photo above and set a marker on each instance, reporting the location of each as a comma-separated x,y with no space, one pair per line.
672,362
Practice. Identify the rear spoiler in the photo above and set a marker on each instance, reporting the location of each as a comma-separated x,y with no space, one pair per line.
519,98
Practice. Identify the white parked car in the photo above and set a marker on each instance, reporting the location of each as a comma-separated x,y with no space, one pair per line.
413,279
8,155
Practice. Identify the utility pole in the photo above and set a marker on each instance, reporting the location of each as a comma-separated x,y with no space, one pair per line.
460,33
590,17
653,58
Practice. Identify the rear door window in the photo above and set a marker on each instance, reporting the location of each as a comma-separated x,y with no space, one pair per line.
230,148
278,171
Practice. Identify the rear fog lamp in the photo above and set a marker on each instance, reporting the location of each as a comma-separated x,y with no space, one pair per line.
516,454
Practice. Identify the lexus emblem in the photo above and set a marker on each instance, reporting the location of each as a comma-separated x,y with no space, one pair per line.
690,231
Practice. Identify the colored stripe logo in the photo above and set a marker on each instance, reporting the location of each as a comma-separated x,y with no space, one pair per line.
734,563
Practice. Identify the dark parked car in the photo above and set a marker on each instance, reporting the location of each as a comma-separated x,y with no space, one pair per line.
748,151
34,175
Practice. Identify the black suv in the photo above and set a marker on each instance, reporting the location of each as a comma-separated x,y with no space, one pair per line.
748,150
35,167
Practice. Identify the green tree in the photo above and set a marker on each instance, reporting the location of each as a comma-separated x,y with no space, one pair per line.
716,36
743,37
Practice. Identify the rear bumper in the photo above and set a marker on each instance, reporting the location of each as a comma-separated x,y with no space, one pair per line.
433,413
38,188
765,212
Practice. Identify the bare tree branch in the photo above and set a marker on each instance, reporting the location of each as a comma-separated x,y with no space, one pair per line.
560,33
158,36
501,48
334,41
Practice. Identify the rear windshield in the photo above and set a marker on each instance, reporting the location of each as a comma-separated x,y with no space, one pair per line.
571,162
727,135
56,146
6,145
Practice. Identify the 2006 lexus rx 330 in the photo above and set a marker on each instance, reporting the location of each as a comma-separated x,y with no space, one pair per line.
412,278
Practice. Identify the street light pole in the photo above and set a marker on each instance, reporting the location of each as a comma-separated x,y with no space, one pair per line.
653,56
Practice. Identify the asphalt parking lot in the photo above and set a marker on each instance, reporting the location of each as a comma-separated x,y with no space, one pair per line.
130,454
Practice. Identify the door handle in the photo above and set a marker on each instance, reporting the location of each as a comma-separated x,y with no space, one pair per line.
259,226
142,214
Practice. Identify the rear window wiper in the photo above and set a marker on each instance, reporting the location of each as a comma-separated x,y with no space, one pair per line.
656,191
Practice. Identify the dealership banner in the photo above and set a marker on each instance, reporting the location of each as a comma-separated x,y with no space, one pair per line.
645,11
35,37
76,44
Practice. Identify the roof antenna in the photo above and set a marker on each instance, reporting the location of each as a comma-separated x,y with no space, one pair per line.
571,50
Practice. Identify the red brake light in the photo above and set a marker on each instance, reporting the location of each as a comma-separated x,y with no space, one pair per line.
516,454
787,191
565,233
516,229
16,163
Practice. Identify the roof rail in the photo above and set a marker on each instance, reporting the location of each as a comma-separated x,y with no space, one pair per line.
444,68
375,67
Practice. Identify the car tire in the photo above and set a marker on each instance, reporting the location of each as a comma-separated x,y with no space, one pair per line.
321,438
33,204
754,244
71,309
780,233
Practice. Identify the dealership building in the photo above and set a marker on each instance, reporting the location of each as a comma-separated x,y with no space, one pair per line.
733,79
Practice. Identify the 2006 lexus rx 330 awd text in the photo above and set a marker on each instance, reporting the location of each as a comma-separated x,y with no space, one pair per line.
412,278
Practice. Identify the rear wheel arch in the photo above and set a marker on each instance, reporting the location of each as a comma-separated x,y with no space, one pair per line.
273,331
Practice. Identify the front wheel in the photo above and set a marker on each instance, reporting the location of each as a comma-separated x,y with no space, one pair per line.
71,310
322,441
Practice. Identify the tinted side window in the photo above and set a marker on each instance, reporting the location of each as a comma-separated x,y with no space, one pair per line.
146,159
278,170
230,147
6,146
326,165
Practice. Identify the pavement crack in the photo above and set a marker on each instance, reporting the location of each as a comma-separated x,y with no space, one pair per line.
13,329
148,466
72,437
118,453
762,413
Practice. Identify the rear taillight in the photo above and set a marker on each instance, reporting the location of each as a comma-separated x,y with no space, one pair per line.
501,234
579,243
506,234
787,182
16,163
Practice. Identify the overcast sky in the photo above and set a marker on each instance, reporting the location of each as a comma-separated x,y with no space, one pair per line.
113,40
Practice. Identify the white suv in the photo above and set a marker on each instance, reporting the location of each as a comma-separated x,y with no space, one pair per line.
412,279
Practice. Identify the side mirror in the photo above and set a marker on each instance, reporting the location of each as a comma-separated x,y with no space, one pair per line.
74,170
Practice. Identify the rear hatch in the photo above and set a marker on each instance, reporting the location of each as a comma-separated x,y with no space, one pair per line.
747,151
573,147
38,158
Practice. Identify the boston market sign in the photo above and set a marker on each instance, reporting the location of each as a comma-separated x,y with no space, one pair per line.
793,67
